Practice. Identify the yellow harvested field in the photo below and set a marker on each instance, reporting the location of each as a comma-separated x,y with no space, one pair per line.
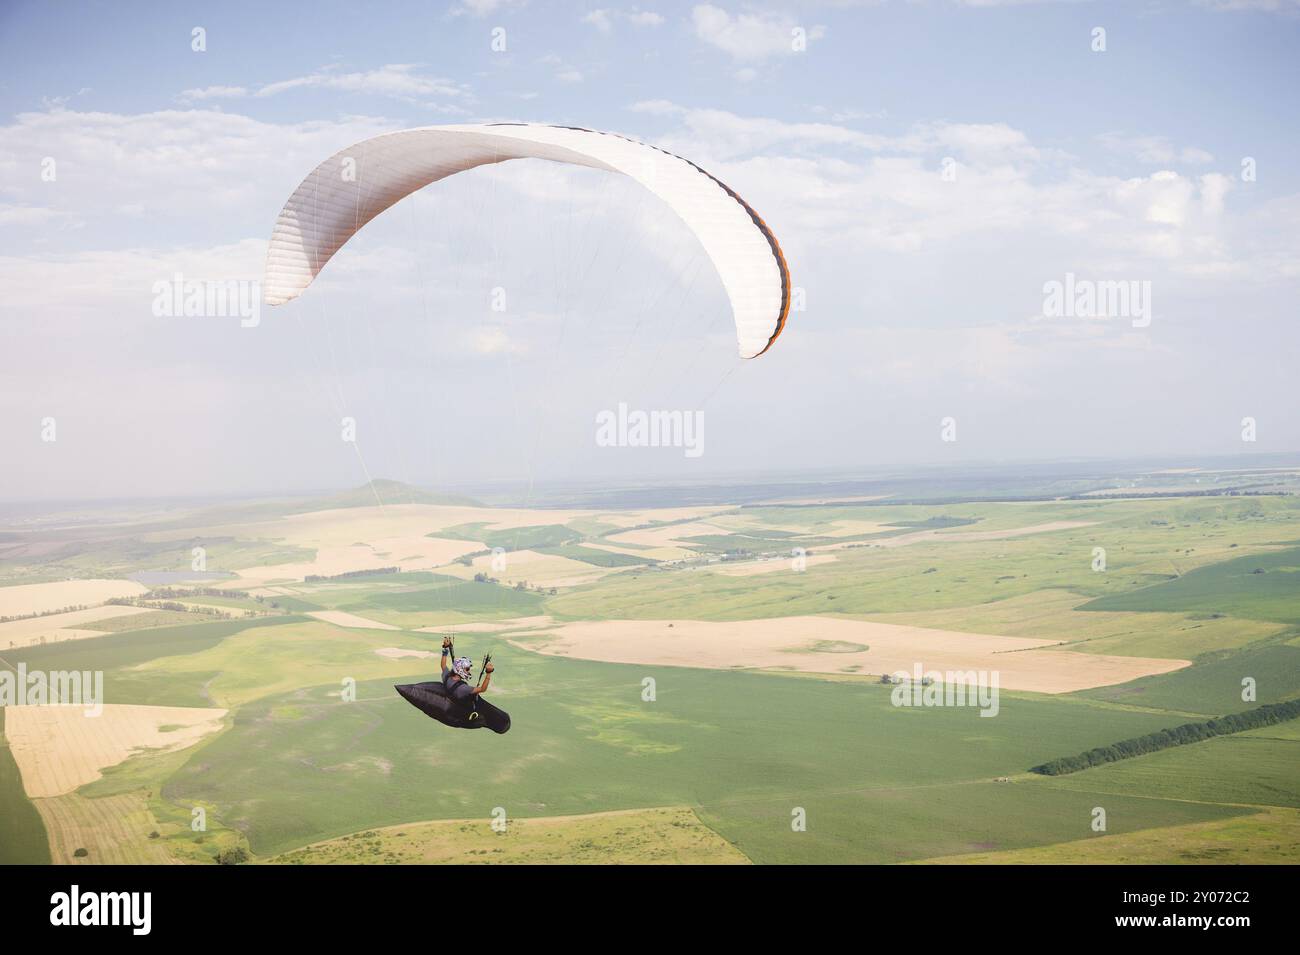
1053,614
361,538
794,643
350,620
397,653
408,553
841,527
668,543
543,570
515,623
43,598
59,748
663,543
644,553
851,528
60,626
341,527
114,830
220,608
666,536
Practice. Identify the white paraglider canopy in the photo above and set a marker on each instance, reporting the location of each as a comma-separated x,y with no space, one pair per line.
356,184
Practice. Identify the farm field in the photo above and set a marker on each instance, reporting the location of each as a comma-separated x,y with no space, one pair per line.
1272,837
836,645
71,625
59,749
22,835
706,687
629,837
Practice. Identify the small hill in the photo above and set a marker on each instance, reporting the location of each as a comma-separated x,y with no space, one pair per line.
386,492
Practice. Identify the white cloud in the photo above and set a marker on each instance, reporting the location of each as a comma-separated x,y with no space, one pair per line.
119,280
1214,190
482,8
401,81
58,102
645,18
1164,197
658,107
726,134
186,171
1007,3
215,92
1154,150
848,115
563,71
1251,6
27,215
603,19
748,36
827,188
984,142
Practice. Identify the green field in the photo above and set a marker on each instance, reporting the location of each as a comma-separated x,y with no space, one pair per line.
1259,587
1268,837
724,755
1214,684
1233,770
144,621
592,555
414,600
134,662
1146,542
22,834
515,538
450,595
632,837
119,556
746,748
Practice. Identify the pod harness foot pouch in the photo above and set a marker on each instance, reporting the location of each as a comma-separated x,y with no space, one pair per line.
432,700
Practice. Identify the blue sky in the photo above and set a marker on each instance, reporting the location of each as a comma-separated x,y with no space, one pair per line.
925,297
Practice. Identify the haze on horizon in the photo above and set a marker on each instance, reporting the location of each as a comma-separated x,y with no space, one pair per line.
925,297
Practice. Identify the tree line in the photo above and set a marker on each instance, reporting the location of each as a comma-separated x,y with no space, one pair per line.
310,578
1265,715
